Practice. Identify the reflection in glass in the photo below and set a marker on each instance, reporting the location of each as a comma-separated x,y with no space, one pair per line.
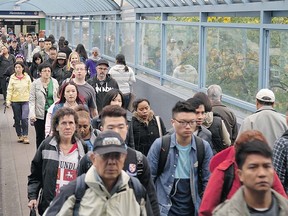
85,34
126,43
109,39
149,46
76,33
232,61
278,70
182,53
95,31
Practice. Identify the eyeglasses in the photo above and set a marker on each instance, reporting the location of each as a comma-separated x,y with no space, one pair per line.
112,155
185,123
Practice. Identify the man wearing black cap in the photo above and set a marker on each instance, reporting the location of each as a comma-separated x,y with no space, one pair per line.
109,190
102,82
266,119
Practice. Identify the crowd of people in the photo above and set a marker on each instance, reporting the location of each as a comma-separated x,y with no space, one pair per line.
95,157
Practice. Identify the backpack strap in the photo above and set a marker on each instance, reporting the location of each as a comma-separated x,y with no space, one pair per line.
228,182
164,151
80,189
200,158
139,165
159,125
138,189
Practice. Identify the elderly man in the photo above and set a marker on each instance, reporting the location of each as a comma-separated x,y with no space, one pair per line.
108,188
266,119
214,93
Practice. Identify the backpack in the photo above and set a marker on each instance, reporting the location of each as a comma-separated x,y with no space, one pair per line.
79,187
228,182
165,146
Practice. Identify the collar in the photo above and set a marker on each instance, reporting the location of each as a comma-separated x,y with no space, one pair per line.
150,116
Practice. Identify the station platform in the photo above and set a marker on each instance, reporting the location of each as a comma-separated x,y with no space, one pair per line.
15,160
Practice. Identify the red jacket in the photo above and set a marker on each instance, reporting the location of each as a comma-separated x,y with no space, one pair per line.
212,194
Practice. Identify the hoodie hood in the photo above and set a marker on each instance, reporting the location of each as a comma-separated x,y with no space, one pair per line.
208,120
119,67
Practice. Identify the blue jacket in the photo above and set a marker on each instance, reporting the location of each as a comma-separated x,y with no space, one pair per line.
164,183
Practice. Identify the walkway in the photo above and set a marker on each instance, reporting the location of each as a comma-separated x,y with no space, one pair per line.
15,159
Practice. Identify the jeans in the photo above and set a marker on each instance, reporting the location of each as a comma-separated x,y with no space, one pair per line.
21,112
39,125
126,98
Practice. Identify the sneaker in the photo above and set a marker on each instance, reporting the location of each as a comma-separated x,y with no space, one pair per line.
20,139
25,140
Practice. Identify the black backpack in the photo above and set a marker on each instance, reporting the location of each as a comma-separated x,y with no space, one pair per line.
165,146
228,182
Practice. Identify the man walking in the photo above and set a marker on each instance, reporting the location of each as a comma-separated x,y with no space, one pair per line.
266,119
177,186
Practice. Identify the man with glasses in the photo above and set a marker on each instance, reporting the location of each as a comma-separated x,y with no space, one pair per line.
102,83
177,186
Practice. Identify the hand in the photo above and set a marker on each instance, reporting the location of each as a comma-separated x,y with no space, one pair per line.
8,104
33,119
32,204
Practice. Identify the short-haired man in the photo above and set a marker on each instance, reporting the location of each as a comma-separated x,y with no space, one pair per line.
200,112
27,49
47,45
85,89
266,119
177,186
102,82
109,191
52,55
214,93
255,197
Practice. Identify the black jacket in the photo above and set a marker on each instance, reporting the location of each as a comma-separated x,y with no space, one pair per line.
130,166
145,135
44,169
101,88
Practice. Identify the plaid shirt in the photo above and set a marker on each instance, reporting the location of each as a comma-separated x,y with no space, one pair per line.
280,160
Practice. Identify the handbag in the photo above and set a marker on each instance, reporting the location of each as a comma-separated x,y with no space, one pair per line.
33,212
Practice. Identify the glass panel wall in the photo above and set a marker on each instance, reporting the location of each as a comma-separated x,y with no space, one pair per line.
85,33
63,27
109,38
278,69
96,35
182,52
58,29
127,42
69,31
76,33
149,46
232,61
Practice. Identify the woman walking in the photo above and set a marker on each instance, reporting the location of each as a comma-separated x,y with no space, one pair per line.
18,97
124,76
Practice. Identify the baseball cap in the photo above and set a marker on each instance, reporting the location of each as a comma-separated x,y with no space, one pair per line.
109,141
61,55
102,61
266,95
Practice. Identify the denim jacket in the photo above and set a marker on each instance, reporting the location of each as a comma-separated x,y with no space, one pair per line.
164,183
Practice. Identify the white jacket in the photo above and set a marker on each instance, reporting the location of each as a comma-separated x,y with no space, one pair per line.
37,98
124,78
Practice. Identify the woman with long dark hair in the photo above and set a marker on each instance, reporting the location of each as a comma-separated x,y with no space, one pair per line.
124,76
80,49
36,61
